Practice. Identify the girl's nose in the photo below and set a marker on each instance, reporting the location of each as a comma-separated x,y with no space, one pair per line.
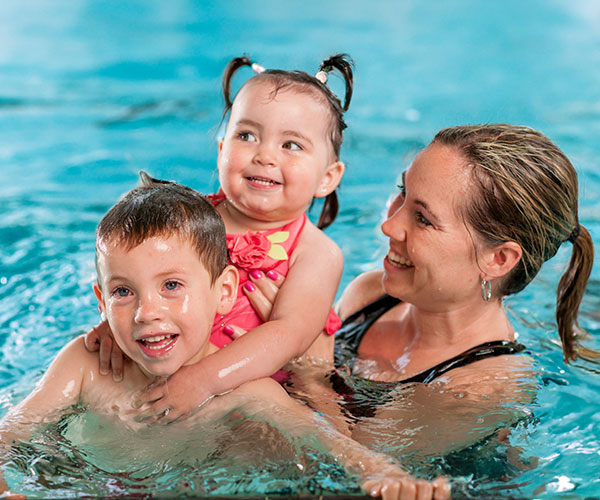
265,155
148,309
394,226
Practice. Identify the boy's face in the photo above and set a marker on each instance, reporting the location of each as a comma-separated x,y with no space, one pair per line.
159,301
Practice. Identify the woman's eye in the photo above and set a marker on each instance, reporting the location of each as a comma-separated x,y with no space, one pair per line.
246,137
402,190
121,292
421,219
292,146
172,285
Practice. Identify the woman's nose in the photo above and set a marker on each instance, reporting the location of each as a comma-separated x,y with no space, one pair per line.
394,226
148,309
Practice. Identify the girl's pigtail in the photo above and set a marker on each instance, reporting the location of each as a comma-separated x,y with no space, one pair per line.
343,63
230,70
329,211
570,293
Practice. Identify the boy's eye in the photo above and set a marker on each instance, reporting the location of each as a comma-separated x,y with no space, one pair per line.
172,285
292,146
121,292
246,137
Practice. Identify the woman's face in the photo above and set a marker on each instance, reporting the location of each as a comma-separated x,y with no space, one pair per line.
431,262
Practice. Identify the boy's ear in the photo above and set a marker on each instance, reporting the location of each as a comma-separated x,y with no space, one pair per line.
100,297
331,179
501,259
227,284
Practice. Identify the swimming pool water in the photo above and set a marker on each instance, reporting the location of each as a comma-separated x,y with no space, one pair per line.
91,92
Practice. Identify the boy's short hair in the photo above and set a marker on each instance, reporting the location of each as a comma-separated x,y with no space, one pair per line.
162,208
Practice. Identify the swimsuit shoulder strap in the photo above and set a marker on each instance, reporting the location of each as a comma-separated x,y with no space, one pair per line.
482,351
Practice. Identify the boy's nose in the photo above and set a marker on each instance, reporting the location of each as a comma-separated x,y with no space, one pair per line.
148,309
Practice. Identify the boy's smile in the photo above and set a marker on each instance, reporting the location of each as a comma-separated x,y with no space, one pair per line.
159,302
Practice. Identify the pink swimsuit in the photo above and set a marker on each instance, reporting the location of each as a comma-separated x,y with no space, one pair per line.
265,251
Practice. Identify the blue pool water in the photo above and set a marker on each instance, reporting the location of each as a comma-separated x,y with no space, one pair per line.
91,92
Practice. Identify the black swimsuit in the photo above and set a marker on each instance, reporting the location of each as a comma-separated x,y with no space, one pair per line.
350,335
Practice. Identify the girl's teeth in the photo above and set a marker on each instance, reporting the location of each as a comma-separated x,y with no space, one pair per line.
259,180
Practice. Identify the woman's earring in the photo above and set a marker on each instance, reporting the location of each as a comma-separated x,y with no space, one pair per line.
102,316
486,290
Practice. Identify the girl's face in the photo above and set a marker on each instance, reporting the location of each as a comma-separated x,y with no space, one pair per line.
276,154
431,262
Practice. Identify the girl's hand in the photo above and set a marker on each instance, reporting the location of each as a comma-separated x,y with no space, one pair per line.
175,398
100,339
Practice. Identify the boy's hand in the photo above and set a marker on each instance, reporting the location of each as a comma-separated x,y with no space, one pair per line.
100,339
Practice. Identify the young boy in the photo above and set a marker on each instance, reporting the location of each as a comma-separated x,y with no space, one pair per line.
162,277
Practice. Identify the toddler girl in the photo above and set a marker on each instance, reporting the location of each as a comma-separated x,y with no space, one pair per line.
279,152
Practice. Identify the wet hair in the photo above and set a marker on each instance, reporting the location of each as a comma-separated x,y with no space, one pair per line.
300,81
525,190
161,208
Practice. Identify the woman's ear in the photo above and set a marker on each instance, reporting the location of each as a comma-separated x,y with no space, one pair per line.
331,179
501,259
227,285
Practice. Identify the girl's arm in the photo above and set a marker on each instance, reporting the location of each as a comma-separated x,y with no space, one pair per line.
59,388
299,313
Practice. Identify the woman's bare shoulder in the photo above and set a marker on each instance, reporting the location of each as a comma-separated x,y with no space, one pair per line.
363,290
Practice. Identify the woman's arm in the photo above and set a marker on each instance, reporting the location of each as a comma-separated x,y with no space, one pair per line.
299,313
265,400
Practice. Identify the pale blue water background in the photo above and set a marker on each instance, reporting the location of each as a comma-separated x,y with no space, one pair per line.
92,91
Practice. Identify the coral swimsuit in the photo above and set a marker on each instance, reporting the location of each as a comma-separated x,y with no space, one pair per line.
265,251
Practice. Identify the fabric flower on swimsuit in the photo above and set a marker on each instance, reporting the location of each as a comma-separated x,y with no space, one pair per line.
249,251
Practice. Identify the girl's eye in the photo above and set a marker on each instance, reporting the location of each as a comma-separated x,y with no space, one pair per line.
246,137
172,285
292,146
421,219
121,292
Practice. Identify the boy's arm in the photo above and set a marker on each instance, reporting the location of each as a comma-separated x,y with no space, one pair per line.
59,388
299,314
267,401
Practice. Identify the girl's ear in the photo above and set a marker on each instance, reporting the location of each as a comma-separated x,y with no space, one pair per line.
501,259
227,285
331,179
100,297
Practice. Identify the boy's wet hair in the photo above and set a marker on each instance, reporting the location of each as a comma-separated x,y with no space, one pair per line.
300,81
165,209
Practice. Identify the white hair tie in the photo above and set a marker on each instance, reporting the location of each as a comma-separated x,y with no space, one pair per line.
257,68
321,76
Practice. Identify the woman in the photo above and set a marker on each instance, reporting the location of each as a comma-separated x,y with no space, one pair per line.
481,208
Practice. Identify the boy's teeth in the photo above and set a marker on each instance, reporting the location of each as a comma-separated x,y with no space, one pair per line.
158,339
398,260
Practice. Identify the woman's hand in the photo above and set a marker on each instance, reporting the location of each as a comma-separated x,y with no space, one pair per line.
405,487
100,339
264,292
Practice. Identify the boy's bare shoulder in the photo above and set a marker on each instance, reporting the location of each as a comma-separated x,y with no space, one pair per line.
361,291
